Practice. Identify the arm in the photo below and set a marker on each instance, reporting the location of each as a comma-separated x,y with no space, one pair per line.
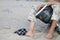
39,7
51,0
42,5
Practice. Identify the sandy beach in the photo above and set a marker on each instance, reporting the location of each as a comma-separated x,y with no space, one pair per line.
13,16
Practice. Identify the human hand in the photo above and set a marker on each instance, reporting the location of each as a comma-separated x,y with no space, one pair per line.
51,3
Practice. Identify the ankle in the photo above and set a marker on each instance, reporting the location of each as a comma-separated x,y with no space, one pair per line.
50,33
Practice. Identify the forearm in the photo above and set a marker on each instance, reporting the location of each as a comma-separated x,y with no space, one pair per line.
39,7
42,5
51,0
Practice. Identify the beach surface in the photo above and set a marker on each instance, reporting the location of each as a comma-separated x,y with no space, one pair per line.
13,16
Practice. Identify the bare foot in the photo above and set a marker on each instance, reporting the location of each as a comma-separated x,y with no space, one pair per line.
49,36
30,34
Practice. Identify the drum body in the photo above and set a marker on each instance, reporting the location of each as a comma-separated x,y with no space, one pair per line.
46,14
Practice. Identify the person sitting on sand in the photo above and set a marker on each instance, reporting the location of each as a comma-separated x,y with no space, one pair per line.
55,17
